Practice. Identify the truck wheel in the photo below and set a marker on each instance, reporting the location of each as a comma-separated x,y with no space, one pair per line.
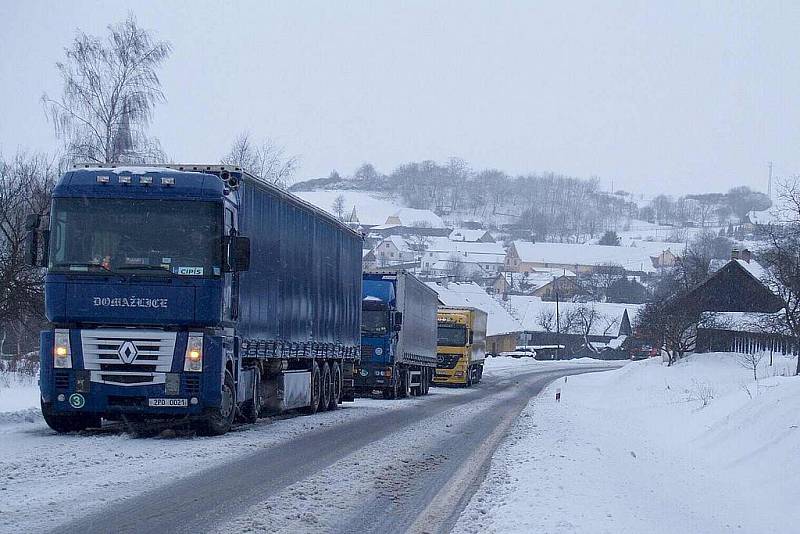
252,409
315,390
336,379
326,388
426,380
469,377
405,380
480,373
66,422
219,419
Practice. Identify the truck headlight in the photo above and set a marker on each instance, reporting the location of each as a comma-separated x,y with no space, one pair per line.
62,353
193,360
378,351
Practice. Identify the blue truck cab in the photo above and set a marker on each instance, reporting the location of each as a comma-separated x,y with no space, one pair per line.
153,313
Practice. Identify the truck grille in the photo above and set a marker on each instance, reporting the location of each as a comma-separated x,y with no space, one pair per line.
446,361
127,357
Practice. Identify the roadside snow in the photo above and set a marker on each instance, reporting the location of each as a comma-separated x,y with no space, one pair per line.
17,392
636,450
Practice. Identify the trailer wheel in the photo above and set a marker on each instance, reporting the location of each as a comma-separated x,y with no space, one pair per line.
480,373
62,423
315,390
326,387
469,377
426,380
219,419
336,378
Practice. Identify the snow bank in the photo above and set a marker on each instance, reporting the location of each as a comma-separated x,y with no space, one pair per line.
18,392
697,447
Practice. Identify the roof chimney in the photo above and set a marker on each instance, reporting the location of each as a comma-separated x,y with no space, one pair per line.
746,255
735,254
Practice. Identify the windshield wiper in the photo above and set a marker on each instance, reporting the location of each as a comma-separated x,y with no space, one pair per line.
87,265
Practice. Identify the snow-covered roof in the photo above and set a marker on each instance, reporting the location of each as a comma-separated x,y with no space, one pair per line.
398,241
753,267
444,244
531,311
533,280
763,217
411,217
464,234
500,321
631,258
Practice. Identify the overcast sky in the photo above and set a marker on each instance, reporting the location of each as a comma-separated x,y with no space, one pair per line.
656,96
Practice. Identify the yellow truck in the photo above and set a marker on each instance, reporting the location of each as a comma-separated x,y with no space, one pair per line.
461,346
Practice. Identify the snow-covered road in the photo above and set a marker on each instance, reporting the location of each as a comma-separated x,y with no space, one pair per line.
47,479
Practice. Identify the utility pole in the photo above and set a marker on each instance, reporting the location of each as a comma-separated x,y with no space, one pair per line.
558,329
769,183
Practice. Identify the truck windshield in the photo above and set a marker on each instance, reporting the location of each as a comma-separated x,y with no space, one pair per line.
374,322
126,235
452,336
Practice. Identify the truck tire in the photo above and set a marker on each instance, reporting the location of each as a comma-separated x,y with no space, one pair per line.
469,377
218,420
426,380
315,390
251,409
336,379
480,373
393,392
326,387
62,423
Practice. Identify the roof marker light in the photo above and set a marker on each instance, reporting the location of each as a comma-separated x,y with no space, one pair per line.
146,180
102,179
125,180
167,180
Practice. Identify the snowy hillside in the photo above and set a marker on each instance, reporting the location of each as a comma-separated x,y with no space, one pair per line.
372,208
697,447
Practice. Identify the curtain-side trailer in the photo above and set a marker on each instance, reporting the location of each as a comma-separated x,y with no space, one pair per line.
193,292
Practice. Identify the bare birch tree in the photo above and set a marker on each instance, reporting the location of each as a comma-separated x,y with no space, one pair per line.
266,160
111,87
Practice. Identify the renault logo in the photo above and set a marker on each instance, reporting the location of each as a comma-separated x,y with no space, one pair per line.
127,352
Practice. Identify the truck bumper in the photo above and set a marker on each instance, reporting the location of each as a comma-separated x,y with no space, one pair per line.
369,376
455,376
73,391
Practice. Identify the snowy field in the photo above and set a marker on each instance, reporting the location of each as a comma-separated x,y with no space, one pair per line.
697,447
46,478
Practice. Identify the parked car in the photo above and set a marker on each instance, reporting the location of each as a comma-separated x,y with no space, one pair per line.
521,352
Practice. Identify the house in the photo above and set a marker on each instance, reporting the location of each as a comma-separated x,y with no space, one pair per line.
471,236
737,311
410,221
524,256
544,283
441,253
394,250
502,329
577,327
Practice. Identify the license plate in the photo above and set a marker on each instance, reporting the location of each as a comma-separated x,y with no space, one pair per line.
174,403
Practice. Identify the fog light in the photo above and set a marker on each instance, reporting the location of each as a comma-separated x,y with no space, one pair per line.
194,400
61,397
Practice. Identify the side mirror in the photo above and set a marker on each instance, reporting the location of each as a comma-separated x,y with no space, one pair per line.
32,240
398,321
236,251
240,253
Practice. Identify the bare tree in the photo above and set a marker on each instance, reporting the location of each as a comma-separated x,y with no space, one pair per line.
456,269
750,361
266,160
338,206
111,86
25,185
781,258
547,320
